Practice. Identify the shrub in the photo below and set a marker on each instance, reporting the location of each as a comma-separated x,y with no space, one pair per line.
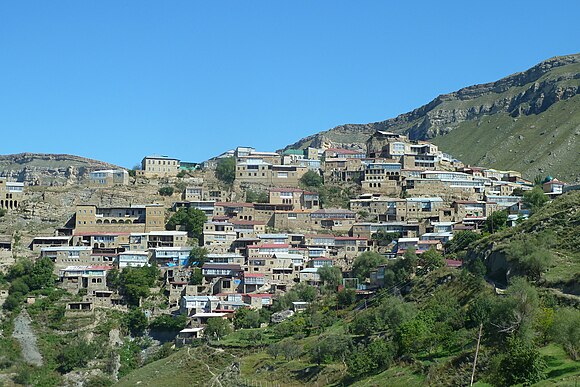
166,191
226,170
75,355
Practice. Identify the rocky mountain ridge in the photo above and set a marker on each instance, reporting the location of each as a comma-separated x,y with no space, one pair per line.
530,94
49,169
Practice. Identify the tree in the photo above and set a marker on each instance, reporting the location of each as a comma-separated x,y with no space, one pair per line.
346,297
329,348
196,277
134,283
167,322
531,253
432,259
41,274
190,220
217,328
330,275
246,318
197,256
566,331
256,196
366,359
2,212
311,179
460,241
75,355
365,262
226,170
305,292
136,321
19,286
416,335
497,221
166,191
535,199
521,364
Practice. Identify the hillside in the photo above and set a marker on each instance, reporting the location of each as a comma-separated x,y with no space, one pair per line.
49,169
529,121
557,225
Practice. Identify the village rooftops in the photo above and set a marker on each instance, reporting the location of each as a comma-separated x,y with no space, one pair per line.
67,248
209,314
86,268
233,204
272,236
286,190
180,248
102,233
269,246
226,266
426,199
168,233
242,222
200,298
52,238
161,157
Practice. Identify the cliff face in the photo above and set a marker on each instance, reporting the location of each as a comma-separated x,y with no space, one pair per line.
49,169
527,97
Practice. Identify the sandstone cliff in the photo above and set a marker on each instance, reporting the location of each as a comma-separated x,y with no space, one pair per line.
49,169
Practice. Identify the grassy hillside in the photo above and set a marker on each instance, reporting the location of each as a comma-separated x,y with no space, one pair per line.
546,143
529,121
558,223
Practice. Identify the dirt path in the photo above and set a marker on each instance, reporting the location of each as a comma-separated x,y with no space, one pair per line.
25,335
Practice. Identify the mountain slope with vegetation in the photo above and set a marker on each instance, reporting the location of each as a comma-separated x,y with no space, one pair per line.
529,121
547,244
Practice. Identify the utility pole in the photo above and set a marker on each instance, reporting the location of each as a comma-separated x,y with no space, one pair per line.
476,353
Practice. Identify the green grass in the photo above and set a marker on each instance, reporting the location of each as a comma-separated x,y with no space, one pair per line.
561,371
396,376
547,141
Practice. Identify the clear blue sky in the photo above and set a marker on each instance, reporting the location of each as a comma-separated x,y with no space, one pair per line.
117,80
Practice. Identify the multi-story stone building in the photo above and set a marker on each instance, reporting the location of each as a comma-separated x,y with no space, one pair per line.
11,194
159,166
108,178
134,218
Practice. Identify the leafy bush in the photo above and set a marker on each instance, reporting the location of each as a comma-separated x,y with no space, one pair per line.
257,196
190,219
166,191
226,170
166,322
217,328
329,348
311,179
520,364
365,262
346,297
566,331
367,359
136,321
246,318
75,355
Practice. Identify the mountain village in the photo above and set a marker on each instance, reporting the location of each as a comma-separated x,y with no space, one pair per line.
409,196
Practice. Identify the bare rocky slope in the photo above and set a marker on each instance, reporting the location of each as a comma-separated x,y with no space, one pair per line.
49,169
528,121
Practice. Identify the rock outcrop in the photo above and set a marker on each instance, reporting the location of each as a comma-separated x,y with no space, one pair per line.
49,169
